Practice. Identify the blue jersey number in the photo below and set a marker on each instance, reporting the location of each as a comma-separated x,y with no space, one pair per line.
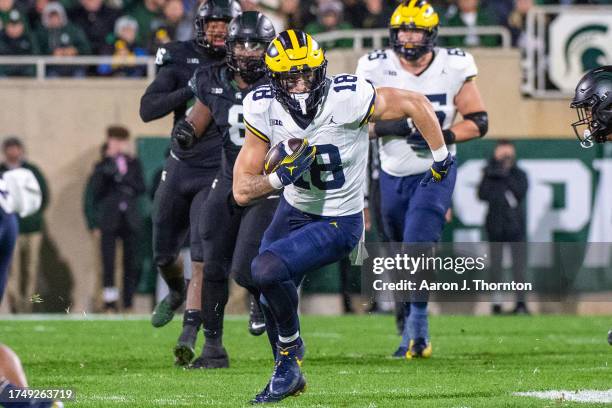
328,161
441,100
349,80
265,93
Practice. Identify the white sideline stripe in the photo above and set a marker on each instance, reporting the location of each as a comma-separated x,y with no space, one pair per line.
591,396
87,316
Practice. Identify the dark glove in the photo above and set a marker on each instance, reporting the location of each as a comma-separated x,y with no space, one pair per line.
438,170
416,140
184,134
292,169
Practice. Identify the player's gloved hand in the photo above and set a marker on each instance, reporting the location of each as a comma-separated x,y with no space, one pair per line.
438,170
184,134
293,166
416,140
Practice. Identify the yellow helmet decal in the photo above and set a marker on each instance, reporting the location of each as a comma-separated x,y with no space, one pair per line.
293,50
416,14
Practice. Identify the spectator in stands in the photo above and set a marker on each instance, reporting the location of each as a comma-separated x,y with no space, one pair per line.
149,16
6,6
15,40
515,22
60,38
122,45
355,13
117,183
470,15
504,187
28,244
298,14
330,19
96,19
35,13
178,26
377,14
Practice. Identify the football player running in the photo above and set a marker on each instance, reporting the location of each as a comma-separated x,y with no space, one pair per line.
188,173
412,212
593,103
319,218
230,235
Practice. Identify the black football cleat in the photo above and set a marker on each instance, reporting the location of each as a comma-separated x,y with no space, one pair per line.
211,357
400,352
257,323
184,351
287,379
164,310
610,337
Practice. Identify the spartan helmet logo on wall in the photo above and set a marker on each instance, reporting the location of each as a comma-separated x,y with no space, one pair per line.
578,42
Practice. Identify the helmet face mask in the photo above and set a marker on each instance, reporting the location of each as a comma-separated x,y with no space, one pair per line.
211,24
412,50
246,58
593,104
300,91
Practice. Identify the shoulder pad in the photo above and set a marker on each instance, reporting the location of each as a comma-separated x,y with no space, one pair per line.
459,59
373,59
259,99
165,54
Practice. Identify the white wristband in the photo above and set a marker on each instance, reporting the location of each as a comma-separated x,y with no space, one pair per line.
275,181
440,153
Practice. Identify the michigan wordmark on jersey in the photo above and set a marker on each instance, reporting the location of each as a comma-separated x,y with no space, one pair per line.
334,184
440,82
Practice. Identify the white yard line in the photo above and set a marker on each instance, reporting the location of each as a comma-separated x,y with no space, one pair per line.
85,317
590,396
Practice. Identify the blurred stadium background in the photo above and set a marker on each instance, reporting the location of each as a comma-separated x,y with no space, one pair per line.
59,99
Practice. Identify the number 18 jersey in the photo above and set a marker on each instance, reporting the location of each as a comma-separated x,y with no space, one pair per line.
334,184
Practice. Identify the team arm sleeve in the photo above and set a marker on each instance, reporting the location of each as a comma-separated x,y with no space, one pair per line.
163,96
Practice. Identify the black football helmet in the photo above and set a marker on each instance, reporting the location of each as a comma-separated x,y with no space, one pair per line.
214,10
248,36
593,103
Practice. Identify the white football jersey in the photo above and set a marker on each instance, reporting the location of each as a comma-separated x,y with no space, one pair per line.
334,184
440,82
20,192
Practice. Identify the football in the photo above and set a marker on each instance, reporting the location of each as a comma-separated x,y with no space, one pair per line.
278,152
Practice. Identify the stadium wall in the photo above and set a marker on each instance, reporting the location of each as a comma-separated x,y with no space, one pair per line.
62,123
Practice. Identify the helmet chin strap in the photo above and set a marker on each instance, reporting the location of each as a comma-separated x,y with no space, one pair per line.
587,140
301,99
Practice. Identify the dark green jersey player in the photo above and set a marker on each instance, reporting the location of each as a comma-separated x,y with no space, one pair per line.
188,173
230,235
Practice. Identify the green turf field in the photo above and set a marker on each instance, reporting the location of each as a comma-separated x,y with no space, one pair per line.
477,362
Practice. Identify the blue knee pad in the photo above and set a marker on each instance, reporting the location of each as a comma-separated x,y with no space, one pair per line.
268,269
